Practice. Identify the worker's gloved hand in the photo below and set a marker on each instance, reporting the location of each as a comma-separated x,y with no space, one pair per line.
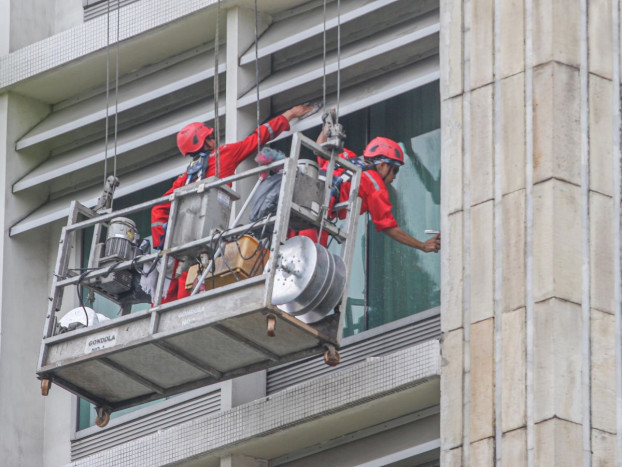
298,111
433,244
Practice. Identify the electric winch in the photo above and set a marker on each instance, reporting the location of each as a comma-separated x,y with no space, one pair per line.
122,244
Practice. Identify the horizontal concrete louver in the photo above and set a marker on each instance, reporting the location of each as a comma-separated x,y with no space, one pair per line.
151,108
387,47
96,439
390,338
380,40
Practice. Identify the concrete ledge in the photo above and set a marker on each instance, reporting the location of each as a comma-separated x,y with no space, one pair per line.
75,44
379,389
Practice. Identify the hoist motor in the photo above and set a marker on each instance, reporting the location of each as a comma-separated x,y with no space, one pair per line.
122,240
122,244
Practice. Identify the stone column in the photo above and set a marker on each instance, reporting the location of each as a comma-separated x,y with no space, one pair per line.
531,229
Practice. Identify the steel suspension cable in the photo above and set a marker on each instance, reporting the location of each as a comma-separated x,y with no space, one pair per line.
107,90
338,56
257,78
116,98
324,60
217,90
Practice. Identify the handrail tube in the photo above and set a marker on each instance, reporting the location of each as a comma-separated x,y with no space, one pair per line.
145,258
163,199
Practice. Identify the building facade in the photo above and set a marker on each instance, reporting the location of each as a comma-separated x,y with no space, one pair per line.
531,272
96,88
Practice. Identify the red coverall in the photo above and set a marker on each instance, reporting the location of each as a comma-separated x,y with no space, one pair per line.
374,199
231,155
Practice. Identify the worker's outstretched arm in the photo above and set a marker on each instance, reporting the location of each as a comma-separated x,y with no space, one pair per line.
237,152
431,245
297,111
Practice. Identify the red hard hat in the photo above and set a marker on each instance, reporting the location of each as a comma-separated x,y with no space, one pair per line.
192,137
384,147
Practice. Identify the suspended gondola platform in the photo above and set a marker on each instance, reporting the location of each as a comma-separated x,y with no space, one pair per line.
290,307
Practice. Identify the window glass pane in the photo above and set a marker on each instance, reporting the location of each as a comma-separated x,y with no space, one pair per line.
355,320
401,280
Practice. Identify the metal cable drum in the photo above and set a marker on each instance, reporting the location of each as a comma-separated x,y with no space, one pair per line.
309,280
121,238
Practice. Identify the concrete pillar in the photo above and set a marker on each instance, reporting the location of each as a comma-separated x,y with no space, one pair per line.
240,24
24,287
531,313
239,123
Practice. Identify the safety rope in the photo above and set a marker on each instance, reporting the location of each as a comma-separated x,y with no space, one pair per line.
216,90
257,77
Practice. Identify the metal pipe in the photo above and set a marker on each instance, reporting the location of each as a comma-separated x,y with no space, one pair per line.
143,259
164,199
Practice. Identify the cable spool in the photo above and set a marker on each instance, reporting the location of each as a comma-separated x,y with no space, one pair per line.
309,280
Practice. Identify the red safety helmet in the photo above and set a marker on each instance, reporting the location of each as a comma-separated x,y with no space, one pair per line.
191,138
384,147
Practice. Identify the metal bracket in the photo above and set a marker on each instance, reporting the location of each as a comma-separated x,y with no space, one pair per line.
105,199
335,134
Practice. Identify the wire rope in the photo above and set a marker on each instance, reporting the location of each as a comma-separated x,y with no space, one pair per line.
338,57
116,88
116,105
257,77
216,89
107,91
324,60
116,99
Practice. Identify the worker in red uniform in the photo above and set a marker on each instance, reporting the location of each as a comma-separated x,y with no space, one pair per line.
382,159
197,141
